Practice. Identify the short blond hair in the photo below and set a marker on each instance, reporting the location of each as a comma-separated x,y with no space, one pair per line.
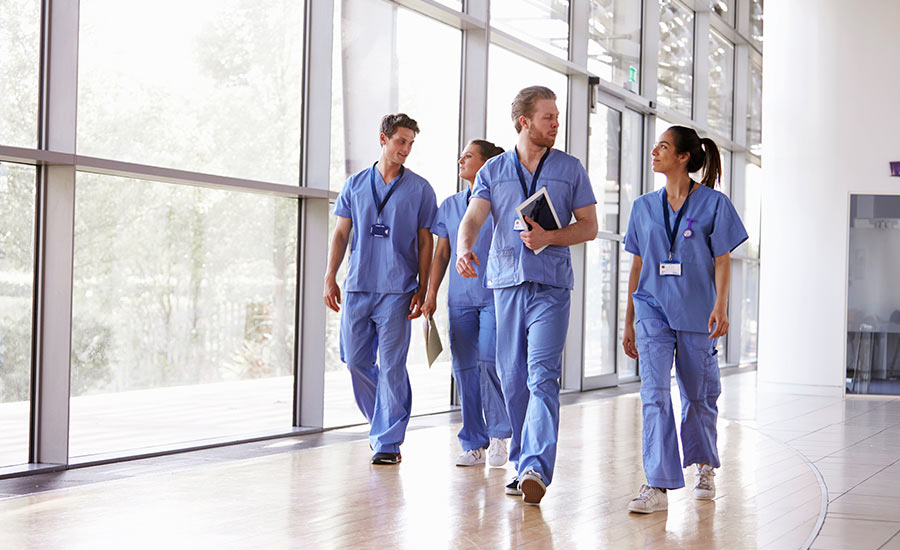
525,101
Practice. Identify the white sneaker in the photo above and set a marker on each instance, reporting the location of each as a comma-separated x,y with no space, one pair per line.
705,486
649,500
532,487
497,453
471,458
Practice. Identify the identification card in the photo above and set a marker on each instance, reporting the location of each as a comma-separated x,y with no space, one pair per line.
380,230
670,268
518,226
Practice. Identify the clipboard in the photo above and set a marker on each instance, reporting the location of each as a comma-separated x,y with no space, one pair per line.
433,346
539,208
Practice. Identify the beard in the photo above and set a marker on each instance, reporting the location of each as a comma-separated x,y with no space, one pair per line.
540,138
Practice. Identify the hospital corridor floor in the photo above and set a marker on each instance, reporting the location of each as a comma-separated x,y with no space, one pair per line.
797,472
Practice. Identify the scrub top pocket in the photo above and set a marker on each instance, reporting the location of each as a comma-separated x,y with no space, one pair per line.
502,267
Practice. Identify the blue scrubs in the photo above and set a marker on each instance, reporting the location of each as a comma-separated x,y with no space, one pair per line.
472,335
382,279
531,296
671,320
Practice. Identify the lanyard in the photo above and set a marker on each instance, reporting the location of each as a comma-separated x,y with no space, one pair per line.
380,205
671,232
537,173
468,195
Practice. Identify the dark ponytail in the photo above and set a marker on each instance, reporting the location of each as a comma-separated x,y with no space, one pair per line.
487,148
704,154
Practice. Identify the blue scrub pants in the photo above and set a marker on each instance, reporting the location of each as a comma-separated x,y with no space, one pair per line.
472,344
531,331
697,373
370,321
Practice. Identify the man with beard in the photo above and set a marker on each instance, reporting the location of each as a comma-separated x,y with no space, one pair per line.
531,291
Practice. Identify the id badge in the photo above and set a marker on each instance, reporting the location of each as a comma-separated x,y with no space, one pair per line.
380,230
670,268
518,226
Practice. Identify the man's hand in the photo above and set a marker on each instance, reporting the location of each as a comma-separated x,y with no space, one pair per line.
464,265
332,294
537,238
719,319
430,305
415,305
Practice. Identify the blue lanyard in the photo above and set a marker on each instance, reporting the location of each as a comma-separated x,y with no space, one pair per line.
673,231
537,173
468,195
380,204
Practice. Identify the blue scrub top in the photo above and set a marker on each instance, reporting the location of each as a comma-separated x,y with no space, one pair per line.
464,292
510,262
685,301
386,265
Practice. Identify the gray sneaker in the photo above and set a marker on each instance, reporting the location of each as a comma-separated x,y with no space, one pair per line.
705,486
649,500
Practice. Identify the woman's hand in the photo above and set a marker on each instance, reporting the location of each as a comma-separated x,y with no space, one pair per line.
718,319
628,342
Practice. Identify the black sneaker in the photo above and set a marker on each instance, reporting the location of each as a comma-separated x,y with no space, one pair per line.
386,458
513,487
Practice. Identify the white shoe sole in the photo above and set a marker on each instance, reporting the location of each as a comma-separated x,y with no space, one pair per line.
637,510
704,495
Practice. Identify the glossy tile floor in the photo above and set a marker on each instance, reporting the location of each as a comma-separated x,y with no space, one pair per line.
784,459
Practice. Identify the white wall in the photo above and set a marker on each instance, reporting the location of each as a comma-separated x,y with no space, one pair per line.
831,123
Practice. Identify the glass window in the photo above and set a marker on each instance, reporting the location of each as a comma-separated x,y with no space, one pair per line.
724,9
20,29
659,179
544,23
631,184
183,314
603,164
507,74
17,191
751,214
754,110
721,84
749,310
756,23
600,308
627,365
380,42
873,295
614,42
218,92
676,56
724,184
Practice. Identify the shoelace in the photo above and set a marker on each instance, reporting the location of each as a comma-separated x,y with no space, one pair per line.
703,479
645,494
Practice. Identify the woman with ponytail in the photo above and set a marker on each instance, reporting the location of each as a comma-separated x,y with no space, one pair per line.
681,237
473,326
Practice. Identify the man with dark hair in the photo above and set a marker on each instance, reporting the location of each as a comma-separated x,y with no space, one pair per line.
531,291
388,209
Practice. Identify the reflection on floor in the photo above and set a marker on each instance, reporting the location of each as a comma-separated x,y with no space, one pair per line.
320,492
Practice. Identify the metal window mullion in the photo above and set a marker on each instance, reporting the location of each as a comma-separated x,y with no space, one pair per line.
55,220
577,126
474,76
740,95
312,249
700,93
